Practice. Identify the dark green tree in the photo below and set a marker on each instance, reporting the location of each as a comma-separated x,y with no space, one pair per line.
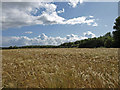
108,43
10,47
116,34
108,35
15,47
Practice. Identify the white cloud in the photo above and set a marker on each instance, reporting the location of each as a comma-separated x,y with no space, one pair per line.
21,14
89,34
95,25
80,20
74,3
43,39
28,32
47,19
91,16
61,11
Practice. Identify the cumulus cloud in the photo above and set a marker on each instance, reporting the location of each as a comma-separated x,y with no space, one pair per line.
91,16
61,11
89,34
19,14
74,3
43,39
28,32
80,20
26,13
95,24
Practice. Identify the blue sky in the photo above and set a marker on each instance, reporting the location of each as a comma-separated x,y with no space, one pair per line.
104,14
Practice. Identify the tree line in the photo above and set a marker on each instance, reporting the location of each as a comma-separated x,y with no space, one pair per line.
102,41
109,40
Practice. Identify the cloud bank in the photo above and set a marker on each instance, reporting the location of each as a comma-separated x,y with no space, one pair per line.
43,39
19,14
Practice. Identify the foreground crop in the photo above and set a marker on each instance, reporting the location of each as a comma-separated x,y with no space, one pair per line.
60,68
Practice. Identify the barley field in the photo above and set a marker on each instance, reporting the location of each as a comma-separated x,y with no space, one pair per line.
60,68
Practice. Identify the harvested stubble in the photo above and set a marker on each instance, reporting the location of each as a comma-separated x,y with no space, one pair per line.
60,68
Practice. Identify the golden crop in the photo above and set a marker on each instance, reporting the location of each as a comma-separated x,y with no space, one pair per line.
60,68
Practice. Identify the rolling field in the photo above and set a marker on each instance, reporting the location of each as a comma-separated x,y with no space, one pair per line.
60,68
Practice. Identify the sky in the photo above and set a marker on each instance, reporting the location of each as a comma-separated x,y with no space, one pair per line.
54,23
